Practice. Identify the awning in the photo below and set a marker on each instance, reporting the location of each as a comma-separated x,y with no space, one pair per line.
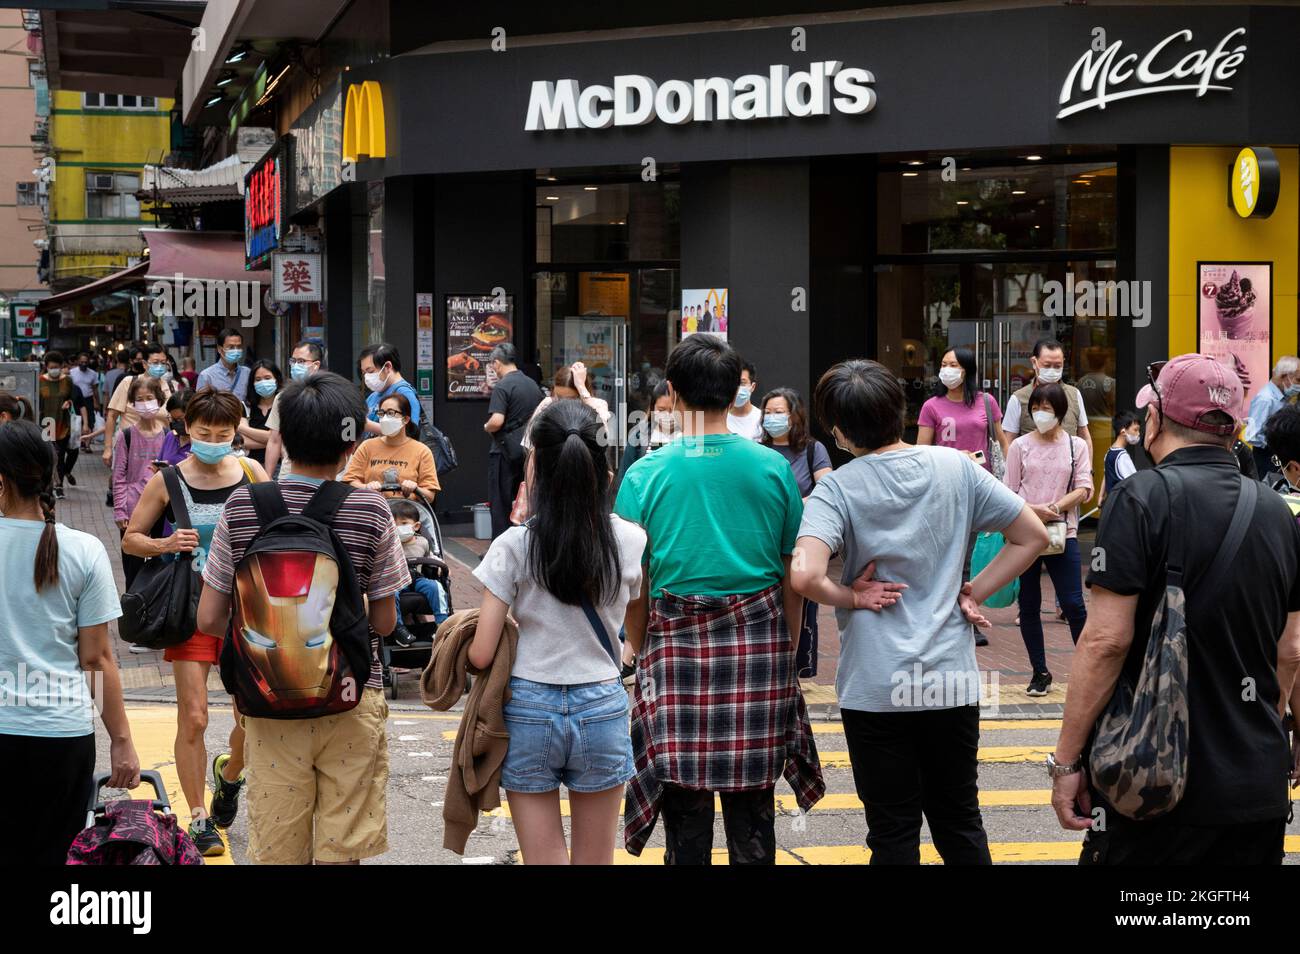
223,181
102,286
208,256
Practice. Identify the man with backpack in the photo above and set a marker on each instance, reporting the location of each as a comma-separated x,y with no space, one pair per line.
1187,687
309,685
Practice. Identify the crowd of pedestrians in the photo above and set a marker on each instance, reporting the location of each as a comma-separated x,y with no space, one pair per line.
647,616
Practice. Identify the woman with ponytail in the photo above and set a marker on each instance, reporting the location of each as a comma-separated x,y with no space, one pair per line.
566,577
57,655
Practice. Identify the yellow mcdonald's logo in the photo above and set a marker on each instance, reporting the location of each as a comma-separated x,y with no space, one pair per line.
363,122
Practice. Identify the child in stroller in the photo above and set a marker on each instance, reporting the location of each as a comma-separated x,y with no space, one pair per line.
429,574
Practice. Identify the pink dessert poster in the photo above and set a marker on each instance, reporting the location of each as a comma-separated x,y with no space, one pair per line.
1235,312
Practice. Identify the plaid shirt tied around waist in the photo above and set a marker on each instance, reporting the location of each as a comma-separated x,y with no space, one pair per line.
717,706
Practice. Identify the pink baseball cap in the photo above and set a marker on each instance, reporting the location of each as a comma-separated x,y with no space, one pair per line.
1191,386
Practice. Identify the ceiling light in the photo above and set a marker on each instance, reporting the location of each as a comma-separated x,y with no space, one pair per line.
1081,182
910,175
552,198
226,78
552,179
1017,191
215,100
915,162
1033,158
962,202
590,188
239,53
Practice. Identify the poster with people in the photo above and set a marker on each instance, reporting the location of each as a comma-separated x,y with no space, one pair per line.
475,325
704,310
1235,318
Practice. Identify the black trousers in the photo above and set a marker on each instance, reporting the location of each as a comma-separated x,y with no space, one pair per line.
44,815
749,819
65,458
1158,842
910,764
504,479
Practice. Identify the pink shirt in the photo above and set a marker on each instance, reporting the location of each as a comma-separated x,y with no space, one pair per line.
1039,471
959,426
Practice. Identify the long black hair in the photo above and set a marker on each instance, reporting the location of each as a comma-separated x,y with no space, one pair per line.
27,466
966,358
572,551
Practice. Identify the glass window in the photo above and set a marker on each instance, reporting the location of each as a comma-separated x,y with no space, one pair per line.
26,193
90,100
608,222
128,102
148,102
1001,208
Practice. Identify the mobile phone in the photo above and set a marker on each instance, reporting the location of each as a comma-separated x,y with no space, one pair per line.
979,457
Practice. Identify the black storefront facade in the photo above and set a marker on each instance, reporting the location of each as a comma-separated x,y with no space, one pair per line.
933,201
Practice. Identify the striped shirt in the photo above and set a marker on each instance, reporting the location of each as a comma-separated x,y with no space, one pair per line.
364,524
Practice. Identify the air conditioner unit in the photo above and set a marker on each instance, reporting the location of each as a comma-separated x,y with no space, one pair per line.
101,183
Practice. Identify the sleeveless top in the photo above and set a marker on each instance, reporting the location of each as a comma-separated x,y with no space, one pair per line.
205,508
1112,475
1073,400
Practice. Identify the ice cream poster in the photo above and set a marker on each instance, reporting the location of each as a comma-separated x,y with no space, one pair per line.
1235,318
704,310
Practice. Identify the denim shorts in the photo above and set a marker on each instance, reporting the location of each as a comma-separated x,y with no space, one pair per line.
571,735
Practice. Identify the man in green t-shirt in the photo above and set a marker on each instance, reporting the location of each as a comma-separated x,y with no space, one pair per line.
716,700
56,418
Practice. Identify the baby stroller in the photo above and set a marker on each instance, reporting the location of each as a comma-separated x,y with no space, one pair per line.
415,612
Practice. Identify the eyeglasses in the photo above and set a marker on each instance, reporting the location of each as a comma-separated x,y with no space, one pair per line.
1153,372
388,412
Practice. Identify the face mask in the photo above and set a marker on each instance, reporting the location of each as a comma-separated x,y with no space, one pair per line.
742,396
1132,438
178,428
391,425
54,374
210,453
1049,375
1293,390
1044,421
776,424
158,370
265,387
951,377
375,381
298,371
146,409
233,355
665,422
405,531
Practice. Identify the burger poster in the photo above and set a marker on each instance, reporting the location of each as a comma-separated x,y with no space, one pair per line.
475,325
1235,318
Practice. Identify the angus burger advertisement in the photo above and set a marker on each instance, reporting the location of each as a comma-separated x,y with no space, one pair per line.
475,325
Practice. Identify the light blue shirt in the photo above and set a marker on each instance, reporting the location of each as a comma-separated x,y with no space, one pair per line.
42,689
374,399
912,512
218,377
1263,406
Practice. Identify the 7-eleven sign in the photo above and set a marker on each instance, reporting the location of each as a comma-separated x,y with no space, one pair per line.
26,323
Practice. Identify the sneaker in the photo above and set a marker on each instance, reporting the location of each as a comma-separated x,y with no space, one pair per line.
58,493
72,479
140,649
980,638
206,838
1039,685
225,795
403,636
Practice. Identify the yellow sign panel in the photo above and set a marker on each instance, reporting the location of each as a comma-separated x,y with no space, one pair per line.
363,122
1245,182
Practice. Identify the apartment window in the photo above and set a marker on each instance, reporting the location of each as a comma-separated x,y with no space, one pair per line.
118,101
111,195
26,193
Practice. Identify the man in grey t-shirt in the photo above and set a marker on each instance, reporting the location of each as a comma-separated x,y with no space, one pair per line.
908,682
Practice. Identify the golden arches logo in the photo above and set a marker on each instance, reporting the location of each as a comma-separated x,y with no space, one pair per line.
363,122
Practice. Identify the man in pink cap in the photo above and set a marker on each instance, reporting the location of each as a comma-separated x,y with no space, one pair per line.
1238,550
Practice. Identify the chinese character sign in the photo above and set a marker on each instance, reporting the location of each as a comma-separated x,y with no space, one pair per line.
296,276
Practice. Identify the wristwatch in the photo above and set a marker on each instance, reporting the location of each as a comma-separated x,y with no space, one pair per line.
1055,769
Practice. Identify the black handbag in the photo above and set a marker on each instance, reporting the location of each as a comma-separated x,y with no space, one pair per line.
161,607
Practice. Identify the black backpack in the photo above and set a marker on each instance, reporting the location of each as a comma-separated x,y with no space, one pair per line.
444,455
299,640
161,607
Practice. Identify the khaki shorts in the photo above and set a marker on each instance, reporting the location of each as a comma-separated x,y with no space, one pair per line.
317,787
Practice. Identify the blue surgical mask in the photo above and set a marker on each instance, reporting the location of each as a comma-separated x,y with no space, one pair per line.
265,387
742,396
234,355
1293,390
210,453
158,370
776,424
298,371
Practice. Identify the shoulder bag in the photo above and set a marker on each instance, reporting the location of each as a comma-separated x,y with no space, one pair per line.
996,460
161,607
1058,530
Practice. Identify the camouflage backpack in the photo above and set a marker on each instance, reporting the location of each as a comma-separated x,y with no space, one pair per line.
1139,751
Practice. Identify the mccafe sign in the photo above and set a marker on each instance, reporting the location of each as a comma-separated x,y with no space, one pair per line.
635,100
1107,73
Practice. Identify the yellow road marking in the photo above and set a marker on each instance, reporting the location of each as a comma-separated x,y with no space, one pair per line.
987,753
153,730
837,728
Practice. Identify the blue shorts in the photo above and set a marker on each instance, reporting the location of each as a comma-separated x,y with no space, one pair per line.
572,735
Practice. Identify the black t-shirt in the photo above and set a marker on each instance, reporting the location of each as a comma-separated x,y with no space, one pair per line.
515,397
1238,754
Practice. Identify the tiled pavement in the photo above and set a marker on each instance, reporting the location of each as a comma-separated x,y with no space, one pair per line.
147,678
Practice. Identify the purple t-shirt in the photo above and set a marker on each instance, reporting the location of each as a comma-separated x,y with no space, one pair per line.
959,426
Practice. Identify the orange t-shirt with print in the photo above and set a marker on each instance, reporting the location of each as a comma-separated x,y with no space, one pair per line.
410,459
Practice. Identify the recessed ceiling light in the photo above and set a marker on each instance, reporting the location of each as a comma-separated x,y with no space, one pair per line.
915,162
1033,158
910,175
552,179
1017,191
590,188
962,202
552,198
1081,182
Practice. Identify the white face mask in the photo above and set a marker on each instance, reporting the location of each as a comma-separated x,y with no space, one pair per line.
391,425
1044,421
1049,375
405,531
1132,438
951,377
375,381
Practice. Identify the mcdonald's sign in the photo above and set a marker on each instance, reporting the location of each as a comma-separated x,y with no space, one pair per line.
363,122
